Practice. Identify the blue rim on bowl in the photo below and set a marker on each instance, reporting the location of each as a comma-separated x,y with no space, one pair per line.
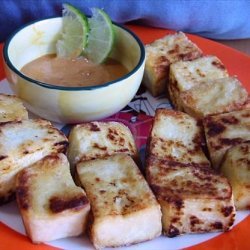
50,86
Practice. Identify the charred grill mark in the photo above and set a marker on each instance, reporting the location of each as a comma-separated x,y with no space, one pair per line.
57,204
196,53
121,141
218,64
156,189
201,74
226,211
7,198
111,137
215,128
94,127
200,126
197,140
173,199
113,131
245,149
162,67
6,168
22,194
51,158
122,150
87,158
207,209
176,164
230,141
116,198
246,115
175,50
173,192
163,60
22,191
61,146
114,136
194,220
230,120
173,182
175,220
187,56
61,143
3,124
96,145
246,163
217,225
123,192
203,165
178,204
204,175
174,85
173,231
217,147
2,157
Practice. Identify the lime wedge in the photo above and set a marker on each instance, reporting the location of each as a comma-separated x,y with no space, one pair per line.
101,36
74,32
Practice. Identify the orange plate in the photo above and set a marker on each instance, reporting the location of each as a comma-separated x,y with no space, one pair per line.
237,64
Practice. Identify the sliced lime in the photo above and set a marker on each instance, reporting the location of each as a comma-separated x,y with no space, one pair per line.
74,32
101,36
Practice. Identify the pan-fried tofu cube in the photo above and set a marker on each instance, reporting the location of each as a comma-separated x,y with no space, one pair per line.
185,75
124,208
22,143
160,54
175,136
51,206
224,131
11,109
214,97
192,199
236,167
93,140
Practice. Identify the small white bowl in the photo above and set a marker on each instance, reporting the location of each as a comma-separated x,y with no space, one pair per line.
71,104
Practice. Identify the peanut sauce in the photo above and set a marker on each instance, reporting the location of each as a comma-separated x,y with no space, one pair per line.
76,72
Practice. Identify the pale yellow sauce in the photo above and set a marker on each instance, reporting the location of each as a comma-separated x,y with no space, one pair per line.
77,72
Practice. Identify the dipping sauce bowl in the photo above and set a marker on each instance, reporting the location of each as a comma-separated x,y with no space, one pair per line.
71,104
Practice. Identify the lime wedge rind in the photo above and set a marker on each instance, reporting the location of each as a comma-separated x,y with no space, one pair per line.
92,37
83,20
74,33
101,36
